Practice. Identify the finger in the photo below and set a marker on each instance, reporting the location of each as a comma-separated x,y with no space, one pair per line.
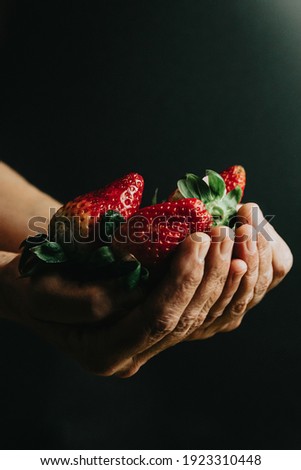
217,264
216,269
160,314
246,250
105,350
265,270
282,259
237,270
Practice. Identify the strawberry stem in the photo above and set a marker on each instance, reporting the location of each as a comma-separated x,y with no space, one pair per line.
220,205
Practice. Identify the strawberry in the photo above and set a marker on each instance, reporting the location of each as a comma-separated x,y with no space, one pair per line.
211,190
153,232
103,234
79,231
76,225
234,176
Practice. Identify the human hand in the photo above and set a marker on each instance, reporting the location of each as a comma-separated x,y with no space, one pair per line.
268,259
69,315
206,291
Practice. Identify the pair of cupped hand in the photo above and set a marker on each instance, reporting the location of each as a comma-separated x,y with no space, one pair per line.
211,283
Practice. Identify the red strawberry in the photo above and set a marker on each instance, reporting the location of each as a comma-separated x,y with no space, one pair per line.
234,176
153,232
76,224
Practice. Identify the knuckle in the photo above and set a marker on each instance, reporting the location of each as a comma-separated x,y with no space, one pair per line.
280,271
252,270
209,303
162,325
251,276
238,308
183,326
200,320
283,268
226,299
260,290
263,244
222,280
216,278
213,316
191,279
262,287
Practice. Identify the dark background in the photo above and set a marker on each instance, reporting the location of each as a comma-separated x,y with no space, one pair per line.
92,90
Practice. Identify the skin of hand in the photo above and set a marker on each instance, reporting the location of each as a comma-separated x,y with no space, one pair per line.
101,325
210,285
230,287
267,267
69,315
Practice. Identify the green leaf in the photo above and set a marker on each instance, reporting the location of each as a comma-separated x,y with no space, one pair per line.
31,261
144,274
203,190
102,257
234,196
49,252
51,247
29,242
123,268
217,211
109,223
193,186
133,277
28,264
216,184
184,190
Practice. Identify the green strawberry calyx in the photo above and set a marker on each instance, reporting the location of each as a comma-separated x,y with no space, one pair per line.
221,205
40,251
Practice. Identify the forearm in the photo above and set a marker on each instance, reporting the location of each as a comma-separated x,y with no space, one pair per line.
20,201
8,291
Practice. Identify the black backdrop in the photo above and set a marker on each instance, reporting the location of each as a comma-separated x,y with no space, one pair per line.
91,90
